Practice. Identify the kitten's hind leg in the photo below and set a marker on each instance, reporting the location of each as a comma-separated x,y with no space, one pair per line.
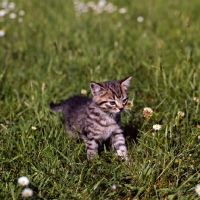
92,147
73,133
119,144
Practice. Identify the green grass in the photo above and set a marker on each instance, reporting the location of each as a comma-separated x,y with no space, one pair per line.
54,53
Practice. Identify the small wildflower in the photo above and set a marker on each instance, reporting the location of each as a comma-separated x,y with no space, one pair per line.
129,105
116,44
23,181
196,99
21,12
11,5
27,192
34,128
140,19
191,166
119,24
181,114
83,91
147,112
2,13
122,10
84,9
91,5
198,137
113,187
157,127
99,7
101,3
4,4
198,126
12,15
110,8
31,137
197,189
2,33
20,20
177,160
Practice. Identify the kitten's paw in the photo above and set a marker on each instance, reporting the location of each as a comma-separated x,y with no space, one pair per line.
123,155
124,158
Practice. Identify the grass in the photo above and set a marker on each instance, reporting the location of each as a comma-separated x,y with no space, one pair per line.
54,53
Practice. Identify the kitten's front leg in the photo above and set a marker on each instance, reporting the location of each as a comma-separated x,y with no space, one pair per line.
119,144
92,147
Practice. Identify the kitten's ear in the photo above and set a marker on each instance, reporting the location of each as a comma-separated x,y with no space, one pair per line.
125,82
96,89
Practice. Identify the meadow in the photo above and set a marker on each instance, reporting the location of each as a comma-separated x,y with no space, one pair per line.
50,50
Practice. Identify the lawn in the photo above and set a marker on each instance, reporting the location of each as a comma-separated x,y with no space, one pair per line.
50,50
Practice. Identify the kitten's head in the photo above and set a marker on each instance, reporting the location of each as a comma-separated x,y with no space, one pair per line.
111,96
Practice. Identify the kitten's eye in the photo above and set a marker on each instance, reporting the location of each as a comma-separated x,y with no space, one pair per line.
125,100
112,103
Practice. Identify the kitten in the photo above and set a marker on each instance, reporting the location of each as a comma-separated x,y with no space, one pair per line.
98,119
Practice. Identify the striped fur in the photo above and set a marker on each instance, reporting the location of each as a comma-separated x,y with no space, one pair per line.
98,119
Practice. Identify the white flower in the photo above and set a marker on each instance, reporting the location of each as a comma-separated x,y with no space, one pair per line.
27,192
91,5
2,33
34,128
20,20
110,8
21,12
147,112
4,4
101,3
113,187
140,19
196,99
129,105
119,24
83,91
197,189
23,181
12,15
2,13
83,9
181,114
122,10
157,127
11,5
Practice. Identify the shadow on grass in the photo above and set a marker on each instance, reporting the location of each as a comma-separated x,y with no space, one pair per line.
131,132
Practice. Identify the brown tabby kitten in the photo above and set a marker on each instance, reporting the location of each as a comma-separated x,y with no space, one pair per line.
97,119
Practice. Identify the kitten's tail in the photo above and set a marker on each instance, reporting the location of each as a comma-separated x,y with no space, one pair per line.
56,107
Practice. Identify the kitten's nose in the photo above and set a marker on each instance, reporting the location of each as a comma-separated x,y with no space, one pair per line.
121,109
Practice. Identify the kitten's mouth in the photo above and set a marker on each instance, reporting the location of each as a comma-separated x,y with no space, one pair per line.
114,111
118,110
121,109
